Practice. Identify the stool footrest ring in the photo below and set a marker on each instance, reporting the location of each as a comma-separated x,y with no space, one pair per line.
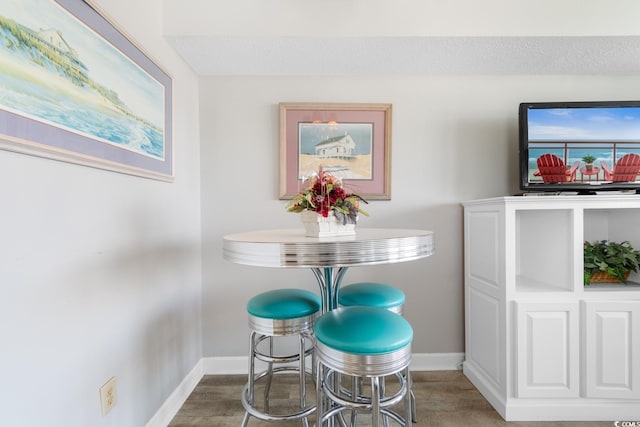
279,359
362,402
253,411
338,409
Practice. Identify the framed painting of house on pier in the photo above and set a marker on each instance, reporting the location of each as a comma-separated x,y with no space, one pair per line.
77,89
352,141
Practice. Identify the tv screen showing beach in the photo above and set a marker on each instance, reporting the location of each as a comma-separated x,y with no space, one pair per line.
583,145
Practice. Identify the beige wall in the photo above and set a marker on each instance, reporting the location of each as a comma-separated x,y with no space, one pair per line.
454,139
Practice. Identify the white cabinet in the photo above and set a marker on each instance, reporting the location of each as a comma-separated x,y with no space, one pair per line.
539,344
547,357
612,349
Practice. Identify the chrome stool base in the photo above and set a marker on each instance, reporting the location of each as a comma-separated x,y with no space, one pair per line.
382,295
353,400
251,410
356,346
280,313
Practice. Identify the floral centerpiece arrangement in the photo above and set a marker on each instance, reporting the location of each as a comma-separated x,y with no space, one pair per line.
325,195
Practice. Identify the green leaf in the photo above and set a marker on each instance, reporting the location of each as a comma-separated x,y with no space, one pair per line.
611,257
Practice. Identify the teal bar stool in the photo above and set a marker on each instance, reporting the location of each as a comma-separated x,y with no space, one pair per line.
381,295
367,343
279,313
372,294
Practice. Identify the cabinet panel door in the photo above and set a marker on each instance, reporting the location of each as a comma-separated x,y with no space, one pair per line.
484,253
484,346
612,349
547,344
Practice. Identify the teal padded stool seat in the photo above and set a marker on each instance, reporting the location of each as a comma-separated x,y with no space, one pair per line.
372,294
363,343
279,313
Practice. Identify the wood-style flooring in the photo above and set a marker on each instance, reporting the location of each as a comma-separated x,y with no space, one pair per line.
444,399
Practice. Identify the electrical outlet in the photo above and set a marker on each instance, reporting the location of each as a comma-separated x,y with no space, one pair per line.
108,396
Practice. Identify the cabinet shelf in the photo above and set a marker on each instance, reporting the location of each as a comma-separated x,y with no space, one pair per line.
528,284
544,250
613,287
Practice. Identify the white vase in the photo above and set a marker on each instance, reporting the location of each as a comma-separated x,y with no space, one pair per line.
316,225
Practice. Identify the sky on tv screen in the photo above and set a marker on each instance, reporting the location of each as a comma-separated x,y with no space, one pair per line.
584,124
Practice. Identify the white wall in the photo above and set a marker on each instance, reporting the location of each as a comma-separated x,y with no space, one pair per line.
370,18
454,139
100,272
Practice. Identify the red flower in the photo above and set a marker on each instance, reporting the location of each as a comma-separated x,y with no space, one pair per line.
324,193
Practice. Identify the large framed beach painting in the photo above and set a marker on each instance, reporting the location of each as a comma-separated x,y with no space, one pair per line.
77,89
351,141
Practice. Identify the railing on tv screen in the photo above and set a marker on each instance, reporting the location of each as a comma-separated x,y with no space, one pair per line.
570,152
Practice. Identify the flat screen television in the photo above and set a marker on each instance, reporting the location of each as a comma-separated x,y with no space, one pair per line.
582,147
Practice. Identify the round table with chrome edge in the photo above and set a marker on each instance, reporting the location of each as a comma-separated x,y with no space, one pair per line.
328,257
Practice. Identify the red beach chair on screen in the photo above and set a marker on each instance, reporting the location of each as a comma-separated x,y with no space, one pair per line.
626,170
552,169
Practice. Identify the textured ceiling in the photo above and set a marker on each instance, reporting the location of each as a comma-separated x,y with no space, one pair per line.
300,56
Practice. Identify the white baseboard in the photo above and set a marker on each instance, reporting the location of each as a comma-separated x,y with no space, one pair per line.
174,402
419,362
225,365
239,365
437,361
551,409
